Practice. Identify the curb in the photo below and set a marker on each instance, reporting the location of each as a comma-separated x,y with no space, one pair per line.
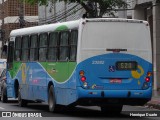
153,104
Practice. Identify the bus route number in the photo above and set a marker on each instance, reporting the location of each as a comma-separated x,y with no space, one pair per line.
97,62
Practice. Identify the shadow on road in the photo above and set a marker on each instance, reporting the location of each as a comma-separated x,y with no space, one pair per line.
12,101
89,113
83,112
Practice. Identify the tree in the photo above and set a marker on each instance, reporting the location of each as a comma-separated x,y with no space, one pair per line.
94,8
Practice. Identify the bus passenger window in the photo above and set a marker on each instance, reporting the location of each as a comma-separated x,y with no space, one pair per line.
43,46
34,48
73,45
52,50
64,47
10,55
18,49
25,48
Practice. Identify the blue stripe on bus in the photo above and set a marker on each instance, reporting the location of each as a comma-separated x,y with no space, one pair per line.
98,78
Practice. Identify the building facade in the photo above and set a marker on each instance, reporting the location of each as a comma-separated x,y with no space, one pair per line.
150,10
61,11
15,14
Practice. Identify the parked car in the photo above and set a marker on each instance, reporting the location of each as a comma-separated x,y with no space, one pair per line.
3,86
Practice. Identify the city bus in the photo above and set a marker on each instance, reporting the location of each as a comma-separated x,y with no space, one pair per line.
104,62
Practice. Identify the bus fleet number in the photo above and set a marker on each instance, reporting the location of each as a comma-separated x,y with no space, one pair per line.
97,62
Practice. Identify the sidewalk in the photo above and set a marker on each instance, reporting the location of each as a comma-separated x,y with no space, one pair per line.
155,101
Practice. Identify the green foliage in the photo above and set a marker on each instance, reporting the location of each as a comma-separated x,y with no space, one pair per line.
41,2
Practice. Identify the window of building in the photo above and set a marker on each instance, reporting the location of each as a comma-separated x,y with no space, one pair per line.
64,46
53,46
34,48
18,49
43,38
25,48
73,45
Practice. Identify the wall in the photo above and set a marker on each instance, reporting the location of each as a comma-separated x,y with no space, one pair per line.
149,10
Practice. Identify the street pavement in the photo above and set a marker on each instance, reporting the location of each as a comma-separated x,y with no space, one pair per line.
155,101
84,113
78,113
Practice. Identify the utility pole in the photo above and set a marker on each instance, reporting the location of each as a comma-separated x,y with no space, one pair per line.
3,38
92,6
2,29
21,15
123,13
65,7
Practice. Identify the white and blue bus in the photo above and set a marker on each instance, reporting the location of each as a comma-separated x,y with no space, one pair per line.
103,62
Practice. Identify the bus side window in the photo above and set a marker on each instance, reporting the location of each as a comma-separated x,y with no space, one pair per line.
53,46
10,55
64,46
34,48
73,45
43,38
25,48
18,49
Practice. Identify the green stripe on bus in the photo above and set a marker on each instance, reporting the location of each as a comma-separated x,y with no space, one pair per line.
15,69
62,27
59,71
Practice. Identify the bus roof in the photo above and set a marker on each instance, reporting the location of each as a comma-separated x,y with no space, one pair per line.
116,20
67,25
45,28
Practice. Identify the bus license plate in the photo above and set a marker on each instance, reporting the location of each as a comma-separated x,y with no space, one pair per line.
115,80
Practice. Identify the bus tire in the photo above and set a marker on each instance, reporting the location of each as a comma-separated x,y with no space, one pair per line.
111,109
21,102
4,95
53,107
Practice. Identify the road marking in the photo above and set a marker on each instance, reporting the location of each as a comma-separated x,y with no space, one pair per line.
1,108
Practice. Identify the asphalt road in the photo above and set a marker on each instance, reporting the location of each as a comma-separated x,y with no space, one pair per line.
78,113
